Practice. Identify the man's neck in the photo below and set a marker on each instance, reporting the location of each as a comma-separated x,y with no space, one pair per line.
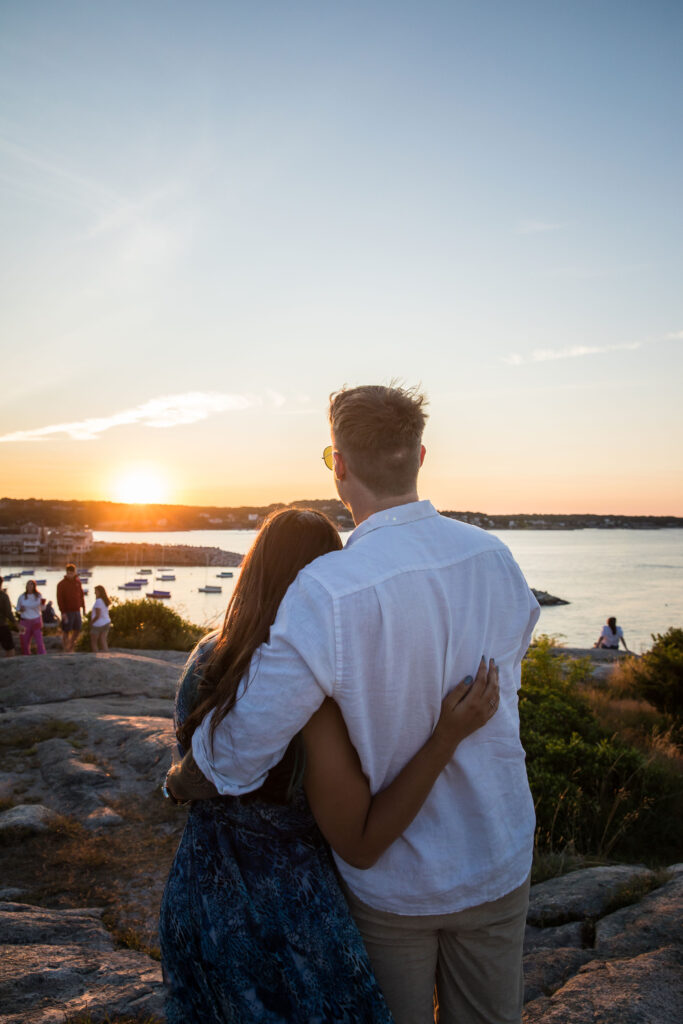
364,506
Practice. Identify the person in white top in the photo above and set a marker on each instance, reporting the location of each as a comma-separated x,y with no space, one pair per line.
29,610
386,627
611,635
100,621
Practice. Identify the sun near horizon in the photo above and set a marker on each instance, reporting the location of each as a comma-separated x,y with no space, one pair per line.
140,485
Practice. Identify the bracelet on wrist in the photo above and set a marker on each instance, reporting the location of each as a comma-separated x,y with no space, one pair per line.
169,795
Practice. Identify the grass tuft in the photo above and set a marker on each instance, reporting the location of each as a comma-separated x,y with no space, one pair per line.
88,1018
635,889
27,737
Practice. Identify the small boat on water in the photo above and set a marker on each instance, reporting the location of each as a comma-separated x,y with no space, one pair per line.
130,586
27,572
142,580
223,575
41,583
210,590
145,572
158,593
166,576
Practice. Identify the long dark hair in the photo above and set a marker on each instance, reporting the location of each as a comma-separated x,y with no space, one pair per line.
35,588
288,540
102,593
612,623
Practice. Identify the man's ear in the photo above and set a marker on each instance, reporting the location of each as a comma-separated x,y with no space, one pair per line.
423,452
339,467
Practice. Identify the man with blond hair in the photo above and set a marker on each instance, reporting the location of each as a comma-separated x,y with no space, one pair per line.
387,628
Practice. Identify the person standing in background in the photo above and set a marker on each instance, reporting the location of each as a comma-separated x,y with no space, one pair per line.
30,612
100,621
7,620
71,601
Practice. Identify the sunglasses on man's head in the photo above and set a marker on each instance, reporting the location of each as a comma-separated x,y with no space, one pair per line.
328,456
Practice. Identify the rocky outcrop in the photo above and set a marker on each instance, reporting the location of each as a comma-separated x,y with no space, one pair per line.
586,961
544,598
581,895
55,964
647,989
82,739
25,818
101,727
85,739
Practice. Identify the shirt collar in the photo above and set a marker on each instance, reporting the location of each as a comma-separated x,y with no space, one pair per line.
399,515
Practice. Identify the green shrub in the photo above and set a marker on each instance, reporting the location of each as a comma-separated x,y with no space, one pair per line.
593,792
146,625
658,675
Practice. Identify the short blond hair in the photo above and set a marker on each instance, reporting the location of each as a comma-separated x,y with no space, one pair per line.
378,429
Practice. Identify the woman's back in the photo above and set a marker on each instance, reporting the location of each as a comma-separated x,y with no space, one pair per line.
254,927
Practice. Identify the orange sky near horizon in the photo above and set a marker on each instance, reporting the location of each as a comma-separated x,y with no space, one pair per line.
83,476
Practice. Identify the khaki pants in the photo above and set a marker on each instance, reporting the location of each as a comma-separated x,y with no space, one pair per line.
474,955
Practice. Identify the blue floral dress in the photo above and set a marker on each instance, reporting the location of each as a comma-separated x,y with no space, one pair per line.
254,927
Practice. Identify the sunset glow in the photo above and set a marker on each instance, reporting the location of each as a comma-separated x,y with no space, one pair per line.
140,486
270,207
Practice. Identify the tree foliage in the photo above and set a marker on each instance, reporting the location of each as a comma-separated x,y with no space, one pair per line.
146,625
593,792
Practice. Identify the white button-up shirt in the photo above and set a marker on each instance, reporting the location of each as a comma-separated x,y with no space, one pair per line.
387,627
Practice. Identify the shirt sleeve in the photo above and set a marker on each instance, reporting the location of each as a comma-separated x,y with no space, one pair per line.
288,679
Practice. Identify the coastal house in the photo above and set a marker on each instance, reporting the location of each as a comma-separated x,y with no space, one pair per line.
23,544
67,544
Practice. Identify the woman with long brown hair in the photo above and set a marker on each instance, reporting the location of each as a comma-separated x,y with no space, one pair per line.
254,926
100,621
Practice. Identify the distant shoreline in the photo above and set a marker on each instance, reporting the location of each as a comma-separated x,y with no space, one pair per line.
107,516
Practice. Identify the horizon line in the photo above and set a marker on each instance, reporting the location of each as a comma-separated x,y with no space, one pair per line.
299,501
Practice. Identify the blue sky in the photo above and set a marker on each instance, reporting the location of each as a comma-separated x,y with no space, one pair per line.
225,211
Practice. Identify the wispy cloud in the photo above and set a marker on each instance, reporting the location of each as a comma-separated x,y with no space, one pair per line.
164,411
538,227
545,355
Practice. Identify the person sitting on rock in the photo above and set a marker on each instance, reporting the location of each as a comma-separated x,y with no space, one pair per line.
610,636
50,620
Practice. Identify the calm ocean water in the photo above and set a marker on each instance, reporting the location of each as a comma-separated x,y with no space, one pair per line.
636,575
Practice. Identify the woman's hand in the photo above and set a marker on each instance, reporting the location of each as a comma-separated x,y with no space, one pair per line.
469,706
358,825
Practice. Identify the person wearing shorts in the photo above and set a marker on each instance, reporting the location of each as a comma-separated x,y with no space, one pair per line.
71,600
100,621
